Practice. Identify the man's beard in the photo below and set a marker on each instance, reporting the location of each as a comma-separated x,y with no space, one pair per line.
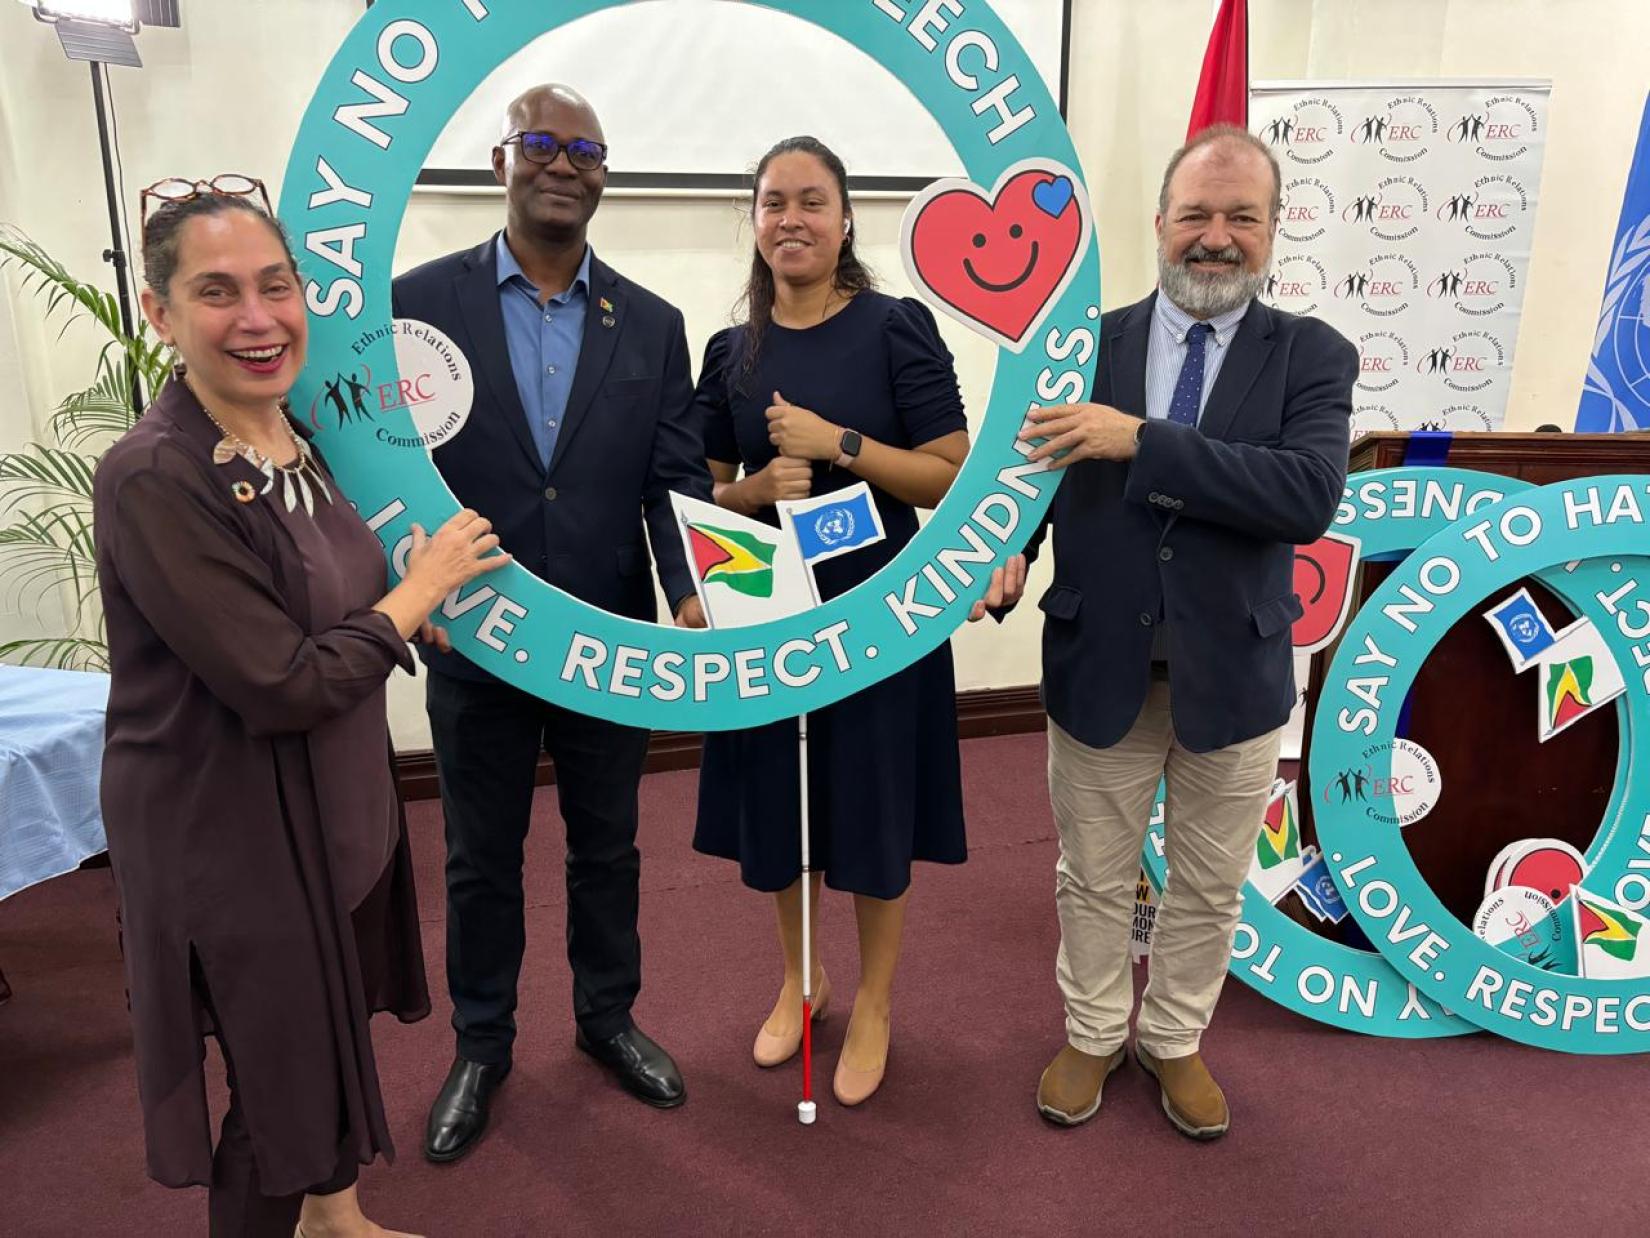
1209,296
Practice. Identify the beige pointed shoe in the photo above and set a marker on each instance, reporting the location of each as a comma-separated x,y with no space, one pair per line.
770,1050
854,1087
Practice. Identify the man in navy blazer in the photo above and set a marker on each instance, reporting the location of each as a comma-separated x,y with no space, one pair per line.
582,426
1217,442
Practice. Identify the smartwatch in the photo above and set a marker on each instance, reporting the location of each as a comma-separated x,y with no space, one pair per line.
848,448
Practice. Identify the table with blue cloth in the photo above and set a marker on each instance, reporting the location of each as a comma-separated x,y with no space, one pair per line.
51,750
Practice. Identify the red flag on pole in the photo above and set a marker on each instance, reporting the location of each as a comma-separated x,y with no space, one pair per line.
1223,88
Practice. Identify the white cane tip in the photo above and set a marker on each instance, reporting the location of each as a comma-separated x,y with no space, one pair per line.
805,1112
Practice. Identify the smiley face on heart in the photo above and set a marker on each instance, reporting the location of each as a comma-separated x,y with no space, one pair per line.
998,262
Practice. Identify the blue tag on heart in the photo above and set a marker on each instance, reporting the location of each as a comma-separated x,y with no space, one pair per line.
1052,197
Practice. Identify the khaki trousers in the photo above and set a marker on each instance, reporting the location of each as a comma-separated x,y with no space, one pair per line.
1102,800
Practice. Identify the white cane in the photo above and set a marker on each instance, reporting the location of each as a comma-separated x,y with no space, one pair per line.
805,1111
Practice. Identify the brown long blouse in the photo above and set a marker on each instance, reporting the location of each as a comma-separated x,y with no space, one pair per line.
249,802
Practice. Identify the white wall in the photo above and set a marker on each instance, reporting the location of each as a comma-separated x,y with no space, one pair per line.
225,94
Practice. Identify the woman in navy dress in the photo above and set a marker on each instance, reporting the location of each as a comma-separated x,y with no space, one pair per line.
827,383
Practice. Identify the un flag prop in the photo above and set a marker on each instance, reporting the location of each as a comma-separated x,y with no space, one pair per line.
1616,394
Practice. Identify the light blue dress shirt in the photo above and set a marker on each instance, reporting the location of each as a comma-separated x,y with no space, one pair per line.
1166,353
544,343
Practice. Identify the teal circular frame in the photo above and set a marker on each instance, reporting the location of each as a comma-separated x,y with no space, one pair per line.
1366,994
1453,570
399,75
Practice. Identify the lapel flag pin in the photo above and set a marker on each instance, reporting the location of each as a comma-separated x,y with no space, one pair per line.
607,306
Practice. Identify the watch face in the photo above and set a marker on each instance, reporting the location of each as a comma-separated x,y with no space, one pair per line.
850,442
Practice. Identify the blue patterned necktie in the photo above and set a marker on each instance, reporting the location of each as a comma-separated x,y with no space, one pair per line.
1188,388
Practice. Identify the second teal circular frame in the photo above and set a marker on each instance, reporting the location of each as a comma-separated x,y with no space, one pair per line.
1390,512
1497,991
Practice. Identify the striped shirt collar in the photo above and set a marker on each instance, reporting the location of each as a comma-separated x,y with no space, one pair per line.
1178,322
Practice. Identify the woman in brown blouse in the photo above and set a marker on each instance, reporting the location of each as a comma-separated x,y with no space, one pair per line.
253,821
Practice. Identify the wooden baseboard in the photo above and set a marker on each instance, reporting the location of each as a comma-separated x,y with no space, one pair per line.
980,714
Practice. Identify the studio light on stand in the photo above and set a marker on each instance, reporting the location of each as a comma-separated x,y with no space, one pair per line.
101,32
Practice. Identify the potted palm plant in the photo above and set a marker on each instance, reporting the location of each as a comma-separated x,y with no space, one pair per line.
46,488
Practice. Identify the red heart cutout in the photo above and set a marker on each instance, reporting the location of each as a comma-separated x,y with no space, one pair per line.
1323,582
1550,870
997,263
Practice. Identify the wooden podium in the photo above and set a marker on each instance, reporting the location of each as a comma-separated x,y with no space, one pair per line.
1468,708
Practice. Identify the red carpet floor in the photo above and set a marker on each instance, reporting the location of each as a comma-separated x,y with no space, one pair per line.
1333,1134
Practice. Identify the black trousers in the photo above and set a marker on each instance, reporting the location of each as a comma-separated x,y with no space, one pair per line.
488,736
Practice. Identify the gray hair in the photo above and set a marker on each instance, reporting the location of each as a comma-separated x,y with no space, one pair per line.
1209,137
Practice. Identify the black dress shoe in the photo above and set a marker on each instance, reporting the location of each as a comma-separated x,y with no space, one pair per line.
642,1067
459,1114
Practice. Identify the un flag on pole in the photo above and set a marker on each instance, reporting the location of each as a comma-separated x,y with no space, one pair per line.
1616,393
835,523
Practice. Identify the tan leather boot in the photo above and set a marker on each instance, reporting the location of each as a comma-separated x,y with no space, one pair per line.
1068,1094
1191,1097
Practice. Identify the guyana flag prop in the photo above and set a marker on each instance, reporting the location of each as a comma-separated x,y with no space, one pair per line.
1614,943
739,560
1578,674
1569,692
1280,834
744,571
1278,860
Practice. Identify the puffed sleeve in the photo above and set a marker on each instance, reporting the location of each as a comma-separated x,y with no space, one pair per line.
923,373
193,575
712,400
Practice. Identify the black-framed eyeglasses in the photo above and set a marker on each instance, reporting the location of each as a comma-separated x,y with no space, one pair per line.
543,148
178,189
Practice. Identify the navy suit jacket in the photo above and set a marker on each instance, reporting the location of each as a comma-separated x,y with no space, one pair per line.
1199,528
629,437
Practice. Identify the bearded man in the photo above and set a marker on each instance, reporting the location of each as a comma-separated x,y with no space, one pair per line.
1217,443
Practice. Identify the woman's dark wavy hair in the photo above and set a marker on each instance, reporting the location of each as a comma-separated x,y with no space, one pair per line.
757,299
163,235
